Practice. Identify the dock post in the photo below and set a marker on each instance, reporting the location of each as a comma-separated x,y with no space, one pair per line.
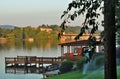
52,61
39,65
5,66
25,65
15,65
42,68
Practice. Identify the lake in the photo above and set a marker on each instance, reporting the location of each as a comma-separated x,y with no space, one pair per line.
41,48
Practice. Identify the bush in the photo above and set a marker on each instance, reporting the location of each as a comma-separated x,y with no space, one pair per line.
99,61
66,66
80,63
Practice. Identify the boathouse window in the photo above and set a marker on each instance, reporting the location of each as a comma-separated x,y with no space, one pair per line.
75,51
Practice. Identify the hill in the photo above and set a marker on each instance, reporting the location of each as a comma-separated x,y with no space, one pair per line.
7,26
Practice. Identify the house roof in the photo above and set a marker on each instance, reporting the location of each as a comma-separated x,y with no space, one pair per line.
45,27
78,43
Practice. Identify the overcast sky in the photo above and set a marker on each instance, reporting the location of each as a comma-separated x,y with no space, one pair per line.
34,12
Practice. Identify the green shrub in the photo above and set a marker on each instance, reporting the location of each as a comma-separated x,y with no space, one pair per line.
66,66
80,62
99,61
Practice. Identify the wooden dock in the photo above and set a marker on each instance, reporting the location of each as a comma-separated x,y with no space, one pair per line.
27,63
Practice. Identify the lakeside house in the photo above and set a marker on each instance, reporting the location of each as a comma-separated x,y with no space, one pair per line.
29,39
47,29
75,49
3,40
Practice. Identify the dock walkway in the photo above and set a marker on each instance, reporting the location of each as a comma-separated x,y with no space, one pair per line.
29,62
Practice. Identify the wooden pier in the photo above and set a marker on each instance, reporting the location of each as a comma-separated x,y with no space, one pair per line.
29,64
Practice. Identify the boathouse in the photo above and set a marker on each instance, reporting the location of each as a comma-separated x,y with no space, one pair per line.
75,48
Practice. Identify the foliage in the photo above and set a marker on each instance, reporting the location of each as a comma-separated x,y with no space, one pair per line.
17,32
70,29
33,32
10,36
4,32
118,22
99,61
29,32
66,66
80,63
118,14
89,8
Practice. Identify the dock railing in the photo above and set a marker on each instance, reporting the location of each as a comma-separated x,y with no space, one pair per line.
32,59
29,62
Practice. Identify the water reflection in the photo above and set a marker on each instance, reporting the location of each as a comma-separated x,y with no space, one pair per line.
23,70
40,48
30,64
19,44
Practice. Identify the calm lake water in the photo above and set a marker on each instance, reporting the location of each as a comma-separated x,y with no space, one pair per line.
18,48
41,48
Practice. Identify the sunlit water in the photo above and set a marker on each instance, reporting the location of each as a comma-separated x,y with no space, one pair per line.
34,51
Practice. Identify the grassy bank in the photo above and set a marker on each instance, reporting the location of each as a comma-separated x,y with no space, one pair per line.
97,74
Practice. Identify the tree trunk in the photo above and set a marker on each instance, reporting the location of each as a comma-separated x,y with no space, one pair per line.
109,41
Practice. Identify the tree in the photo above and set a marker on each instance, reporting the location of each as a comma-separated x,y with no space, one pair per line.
109,40
4,32
90,8
28,32
118,22
17,32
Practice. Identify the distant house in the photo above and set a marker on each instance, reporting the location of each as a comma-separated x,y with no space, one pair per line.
3,40
30,39
47,29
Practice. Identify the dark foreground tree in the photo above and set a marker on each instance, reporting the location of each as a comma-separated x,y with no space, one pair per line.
109,40
90,9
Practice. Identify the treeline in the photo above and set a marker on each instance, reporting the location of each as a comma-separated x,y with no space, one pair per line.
35,32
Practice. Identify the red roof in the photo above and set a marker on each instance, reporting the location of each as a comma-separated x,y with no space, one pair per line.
77,43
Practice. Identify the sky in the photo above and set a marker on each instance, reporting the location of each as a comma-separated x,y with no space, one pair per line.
34,12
